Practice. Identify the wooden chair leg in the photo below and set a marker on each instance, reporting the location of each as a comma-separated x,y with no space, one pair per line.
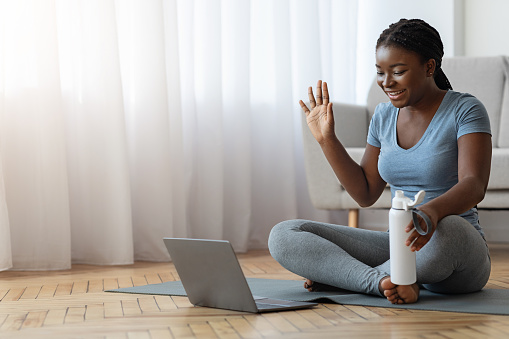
353,217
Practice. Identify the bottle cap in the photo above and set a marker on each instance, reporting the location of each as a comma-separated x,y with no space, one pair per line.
400,202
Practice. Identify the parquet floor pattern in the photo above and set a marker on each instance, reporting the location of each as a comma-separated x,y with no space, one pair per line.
72,304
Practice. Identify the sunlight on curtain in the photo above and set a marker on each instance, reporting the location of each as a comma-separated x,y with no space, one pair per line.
33,139
97,150
122,122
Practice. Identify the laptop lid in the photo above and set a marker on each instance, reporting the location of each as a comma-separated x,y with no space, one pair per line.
212,277
211,274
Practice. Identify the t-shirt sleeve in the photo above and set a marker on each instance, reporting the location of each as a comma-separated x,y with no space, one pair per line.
472,117
374,128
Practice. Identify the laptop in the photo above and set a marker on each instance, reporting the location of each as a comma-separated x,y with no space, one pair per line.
212,277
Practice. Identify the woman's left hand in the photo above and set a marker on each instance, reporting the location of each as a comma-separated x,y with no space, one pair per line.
415,240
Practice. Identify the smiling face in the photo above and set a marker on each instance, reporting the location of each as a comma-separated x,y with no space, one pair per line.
403,76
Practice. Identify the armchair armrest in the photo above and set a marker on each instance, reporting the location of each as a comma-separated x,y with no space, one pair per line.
324,188
352,123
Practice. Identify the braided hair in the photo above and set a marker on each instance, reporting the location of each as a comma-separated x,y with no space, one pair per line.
418,36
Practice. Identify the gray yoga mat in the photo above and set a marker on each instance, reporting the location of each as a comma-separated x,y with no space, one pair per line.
487,301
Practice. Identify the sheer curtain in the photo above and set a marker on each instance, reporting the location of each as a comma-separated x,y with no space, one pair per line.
122,122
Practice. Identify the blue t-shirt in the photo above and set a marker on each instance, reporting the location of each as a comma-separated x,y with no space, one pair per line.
432,163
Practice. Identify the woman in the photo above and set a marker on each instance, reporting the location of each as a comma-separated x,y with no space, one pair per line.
427,137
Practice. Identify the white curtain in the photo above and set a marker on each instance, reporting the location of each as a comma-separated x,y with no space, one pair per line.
122,122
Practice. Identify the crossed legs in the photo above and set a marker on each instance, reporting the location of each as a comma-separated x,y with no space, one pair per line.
334,255
456,260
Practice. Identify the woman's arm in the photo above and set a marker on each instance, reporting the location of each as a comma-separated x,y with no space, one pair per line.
362,182
474,165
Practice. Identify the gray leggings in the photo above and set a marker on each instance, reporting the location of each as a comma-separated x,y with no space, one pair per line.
455,260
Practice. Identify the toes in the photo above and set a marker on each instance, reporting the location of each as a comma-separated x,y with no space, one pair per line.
387,284
393,297
308,285
404,294
392,292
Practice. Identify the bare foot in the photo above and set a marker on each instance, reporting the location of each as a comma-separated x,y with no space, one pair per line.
399,294
308,285
313,286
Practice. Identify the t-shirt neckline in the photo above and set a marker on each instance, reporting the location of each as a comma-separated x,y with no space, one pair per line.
428,129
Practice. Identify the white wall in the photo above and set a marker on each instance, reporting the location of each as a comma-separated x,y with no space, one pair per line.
486,27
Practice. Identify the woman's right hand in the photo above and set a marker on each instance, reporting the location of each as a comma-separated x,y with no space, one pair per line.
320,118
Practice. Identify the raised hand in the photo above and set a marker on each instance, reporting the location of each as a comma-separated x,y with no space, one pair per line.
320,118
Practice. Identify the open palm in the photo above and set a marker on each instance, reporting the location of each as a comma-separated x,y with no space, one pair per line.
320,118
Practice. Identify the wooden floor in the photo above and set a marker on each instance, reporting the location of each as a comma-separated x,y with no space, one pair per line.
72,304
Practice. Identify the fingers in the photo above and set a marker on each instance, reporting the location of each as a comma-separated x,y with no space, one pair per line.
325,94
304,107
319,93
312,101
321,98
417,241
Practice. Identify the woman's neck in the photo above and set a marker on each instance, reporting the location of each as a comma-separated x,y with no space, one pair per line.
428,104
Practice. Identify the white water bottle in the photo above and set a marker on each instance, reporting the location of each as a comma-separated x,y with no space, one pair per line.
403,270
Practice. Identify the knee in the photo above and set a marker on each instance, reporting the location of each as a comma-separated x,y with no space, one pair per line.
452,235
452,222
280,238
455,227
